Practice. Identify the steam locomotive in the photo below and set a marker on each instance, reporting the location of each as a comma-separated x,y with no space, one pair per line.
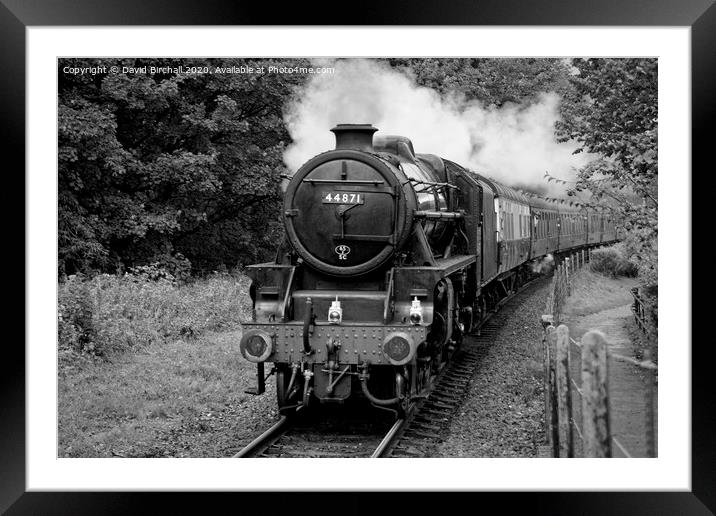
390,258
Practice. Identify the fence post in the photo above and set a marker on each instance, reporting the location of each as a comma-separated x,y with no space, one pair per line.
546,385
595,402
562,287
564,393
555,307
650,422
558,294
566,274
553,428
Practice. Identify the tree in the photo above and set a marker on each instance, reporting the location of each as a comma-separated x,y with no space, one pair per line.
491,81
156,162
612,111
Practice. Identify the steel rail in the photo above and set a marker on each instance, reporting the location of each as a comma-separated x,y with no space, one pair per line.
394,434
264,440
389,439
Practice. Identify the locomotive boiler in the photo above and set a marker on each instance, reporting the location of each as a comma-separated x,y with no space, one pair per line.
389,258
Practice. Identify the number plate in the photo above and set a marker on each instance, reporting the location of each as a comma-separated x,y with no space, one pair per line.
343,198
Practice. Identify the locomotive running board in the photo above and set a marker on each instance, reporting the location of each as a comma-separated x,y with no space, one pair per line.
446,266
455,263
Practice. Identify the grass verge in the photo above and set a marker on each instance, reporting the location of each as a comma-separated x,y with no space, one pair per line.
150,368
175,398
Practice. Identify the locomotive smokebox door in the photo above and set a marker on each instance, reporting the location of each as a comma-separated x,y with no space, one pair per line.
343,223
345,210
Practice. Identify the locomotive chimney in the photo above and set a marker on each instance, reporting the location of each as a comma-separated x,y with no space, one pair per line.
354,136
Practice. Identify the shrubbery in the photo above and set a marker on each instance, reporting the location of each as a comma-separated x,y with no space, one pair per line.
650,297
616,261
107,313
612,261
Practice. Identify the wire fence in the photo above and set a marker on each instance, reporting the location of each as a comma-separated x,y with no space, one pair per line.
563,281
576,375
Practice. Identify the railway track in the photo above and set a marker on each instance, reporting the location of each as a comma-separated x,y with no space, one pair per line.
362,432
426,428
331,432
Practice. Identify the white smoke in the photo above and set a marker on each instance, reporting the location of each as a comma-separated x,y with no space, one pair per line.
544,265
514,144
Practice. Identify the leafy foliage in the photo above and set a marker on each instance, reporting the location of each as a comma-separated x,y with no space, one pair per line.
155,164
611,110
612,261
491,81
108,314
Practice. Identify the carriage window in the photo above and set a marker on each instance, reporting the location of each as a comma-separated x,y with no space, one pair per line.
526,219
527,225
519,224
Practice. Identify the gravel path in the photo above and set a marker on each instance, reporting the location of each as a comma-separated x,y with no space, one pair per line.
502,415
627,383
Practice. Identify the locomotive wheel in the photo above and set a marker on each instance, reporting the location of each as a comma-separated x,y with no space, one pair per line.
404,405
422,375
444,301
443,328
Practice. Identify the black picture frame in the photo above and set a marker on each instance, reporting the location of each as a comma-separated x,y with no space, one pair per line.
17,15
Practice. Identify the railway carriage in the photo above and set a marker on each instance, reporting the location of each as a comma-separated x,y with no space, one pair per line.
390,258
572,232
545,230
610,230
594,228
512,227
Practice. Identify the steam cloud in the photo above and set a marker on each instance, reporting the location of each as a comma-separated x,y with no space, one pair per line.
514,144
543,266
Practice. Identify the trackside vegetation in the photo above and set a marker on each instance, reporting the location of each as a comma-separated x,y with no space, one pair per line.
616,261
613,261
109,314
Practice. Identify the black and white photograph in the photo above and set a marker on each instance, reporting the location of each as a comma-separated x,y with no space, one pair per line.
357,257
431,239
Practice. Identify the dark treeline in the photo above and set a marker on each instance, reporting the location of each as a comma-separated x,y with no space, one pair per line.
184,169
179,169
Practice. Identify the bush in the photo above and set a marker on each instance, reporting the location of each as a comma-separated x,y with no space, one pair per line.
109,314
612,261
650,296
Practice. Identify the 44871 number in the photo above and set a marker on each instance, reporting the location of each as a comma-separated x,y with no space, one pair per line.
343,198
